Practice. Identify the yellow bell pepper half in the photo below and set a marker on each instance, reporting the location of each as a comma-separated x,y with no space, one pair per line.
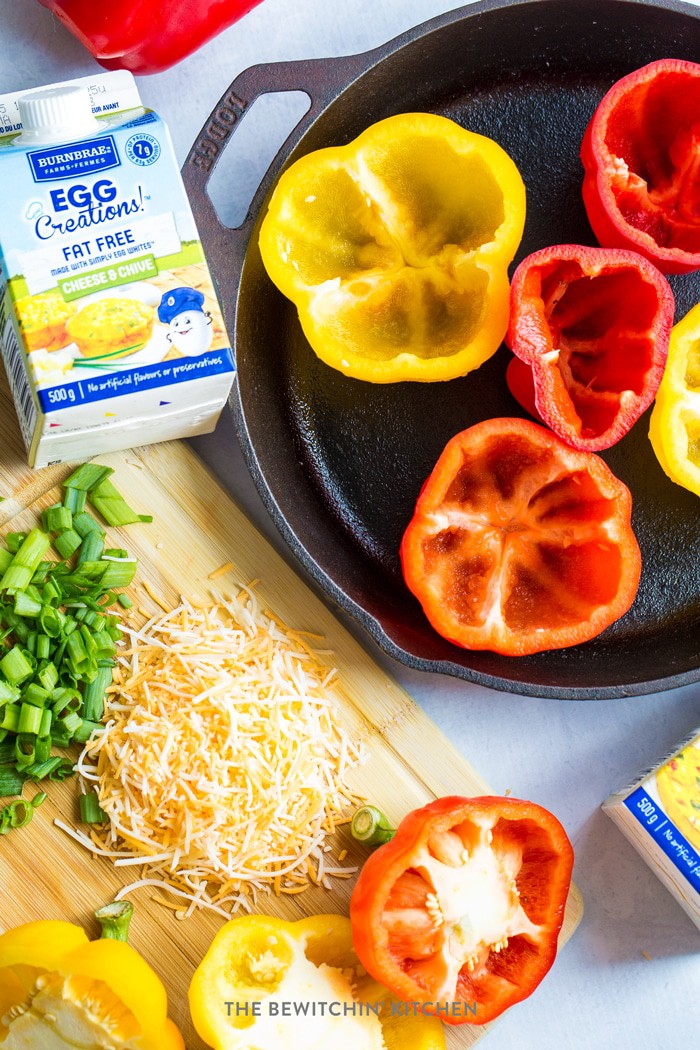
264,982
395,248
58,990
674,428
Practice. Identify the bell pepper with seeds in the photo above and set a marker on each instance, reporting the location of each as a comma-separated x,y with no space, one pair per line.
519,543
59,990
142,36
641,155
464,905
674,428
590,330
395,248
258,962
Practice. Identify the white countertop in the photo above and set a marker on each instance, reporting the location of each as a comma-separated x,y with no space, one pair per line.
603,993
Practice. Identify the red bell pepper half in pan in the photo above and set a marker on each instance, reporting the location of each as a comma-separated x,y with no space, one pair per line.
641,154
520,543
590,330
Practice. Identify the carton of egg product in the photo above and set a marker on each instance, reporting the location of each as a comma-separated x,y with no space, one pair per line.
660,814
110,329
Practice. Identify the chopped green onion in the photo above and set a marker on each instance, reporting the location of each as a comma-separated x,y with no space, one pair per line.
39,799
44,769
74,500
371,827
63,769
43,649
21,813
67,543
114,920
87,477
29,719
8,693
92,547
119,573
93,698
11,781
48,675
90,809
35,694
71,722
58,519
10,717
110,503
84,523
14,541
18,575
5,559
125,601
15,666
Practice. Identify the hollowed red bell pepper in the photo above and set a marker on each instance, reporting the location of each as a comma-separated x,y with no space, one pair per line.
590,329
144,36
464,905
519,543
641,154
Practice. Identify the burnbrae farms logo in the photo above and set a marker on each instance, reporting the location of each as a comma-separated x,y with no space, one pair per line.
76,158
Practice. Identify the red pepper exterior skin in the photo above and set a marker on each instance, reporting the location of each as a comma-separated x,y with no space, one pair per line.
592,325
520,543
400,936
146,36
641,155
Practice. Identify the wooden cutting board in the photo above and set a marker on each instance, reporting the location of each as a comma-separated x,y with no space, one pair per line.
197,528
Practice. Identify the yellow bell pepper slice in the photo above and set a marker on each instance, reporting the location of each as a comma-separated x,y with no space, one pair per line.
395,248
258,966
59,991
674,428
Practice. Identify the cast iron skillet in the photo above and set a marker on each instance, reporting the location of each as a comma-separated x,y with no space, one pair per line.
338,462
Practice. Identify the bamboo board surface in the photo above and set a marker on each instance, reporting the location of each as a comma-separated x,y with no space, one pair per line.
196,529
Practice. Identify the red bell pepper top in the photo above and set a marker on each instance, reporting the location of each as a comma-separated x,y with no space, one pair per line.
146,36
590,329
641,154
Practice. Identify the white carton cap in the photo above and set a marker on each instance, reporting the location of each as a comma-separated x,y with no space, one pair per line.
56,114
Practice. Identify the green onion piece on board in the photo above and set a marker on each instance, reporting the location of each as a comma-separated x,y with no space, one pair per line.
371,827
15,666
110,503
11,781
84,523
90,810
74,500
114,920
67,543
21,813
18,575
14,541
87,477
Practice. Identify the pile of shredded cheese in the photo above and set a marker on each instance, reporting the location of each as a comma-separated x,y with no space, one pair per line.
223,767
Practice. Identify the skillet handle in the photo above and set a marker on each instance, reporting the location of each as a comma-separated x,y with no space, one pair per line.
321,80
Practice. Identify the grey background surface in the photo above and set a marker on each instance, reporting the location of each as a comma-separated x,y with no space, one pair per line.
603,993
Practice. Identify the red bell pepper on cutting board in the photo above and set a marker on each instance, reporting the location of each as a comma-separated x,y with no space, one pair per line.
590,329
641,154
146,36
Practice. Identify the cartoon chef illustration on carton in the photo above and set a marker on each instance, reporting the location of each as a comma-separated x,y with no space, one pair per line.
190,329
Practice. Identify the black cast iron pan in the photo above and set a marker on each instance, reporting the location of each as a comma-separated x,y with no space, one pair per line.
338,462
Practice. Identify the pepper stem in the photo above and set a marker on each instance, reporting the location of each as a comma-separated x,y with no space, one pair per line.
371,827
114,920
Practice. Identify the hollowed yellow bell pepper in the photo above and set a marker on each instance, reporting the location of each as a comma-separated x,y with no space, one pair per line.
58,990
674,428
395,248
264,983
